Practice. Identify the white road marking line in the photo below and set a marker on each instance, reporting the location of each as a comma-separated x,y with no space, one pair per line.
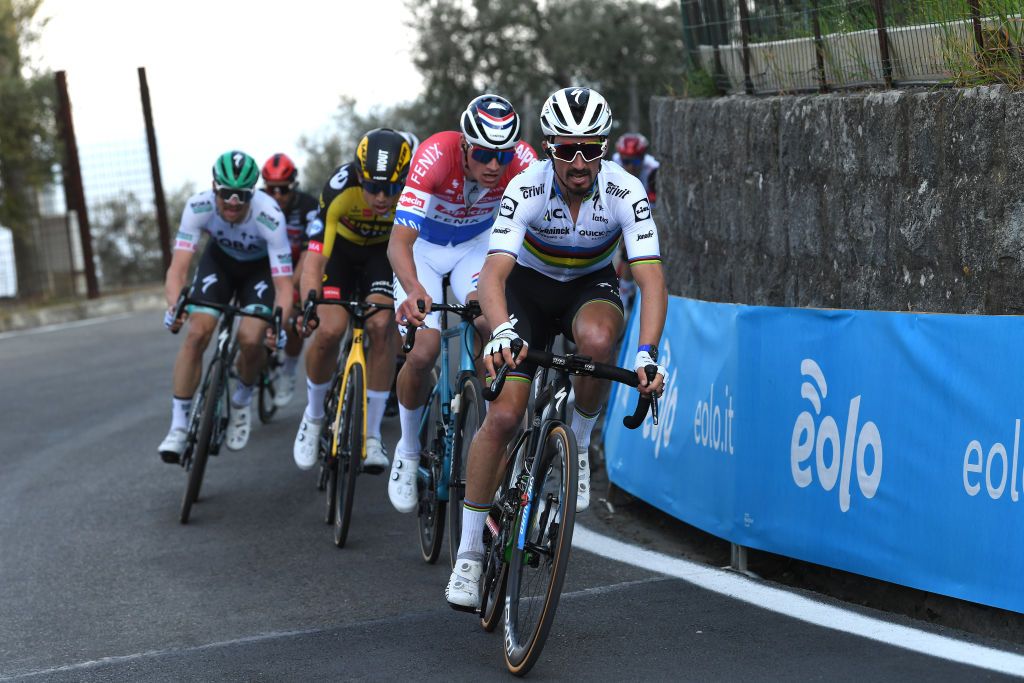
65,326
741,588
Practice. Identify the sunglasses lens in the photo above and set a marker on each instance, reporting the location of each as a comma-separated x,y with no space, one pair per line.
227,193
485,156
376,187
568,152
279,189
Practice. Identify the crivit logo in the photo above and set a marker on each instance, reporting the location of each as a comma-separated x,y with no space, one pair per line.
834,454
979,467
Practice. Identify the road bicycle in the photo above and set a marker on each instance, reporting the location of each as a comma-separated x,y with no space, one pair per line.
266,407
528,532
342,444
211,408
452,417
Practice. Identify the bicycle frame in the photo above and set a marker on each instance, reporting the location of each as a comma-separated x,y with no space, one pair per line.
449,403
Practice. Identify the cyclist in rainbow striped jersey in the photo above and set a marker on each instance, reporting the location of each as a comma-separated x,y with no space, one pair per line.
548,271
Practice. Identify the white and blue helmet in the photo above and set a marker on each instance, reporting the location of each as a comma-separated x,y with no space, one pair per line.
490,121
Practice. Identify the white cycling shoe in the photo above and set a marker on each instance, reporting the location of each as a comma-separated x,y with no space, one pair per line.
402,484
463,590
239,427
307,442
376,456
173,445
583,493
284,389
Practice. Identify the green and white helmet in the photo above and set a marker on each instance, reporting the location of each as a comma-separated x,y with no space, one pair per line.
236,170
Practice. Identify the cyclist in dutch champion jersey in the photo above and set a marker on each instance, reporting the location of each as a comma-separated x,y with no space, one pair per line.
548,271
449,202
301,212
247,258
348,260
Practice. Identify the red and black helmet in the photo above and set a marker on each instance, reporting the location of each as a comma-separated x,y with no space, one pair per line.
632,145
279,169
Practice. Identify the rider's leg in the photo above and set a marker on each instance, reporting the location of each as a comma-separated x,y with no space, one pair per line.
380,361
251,356
188,365
596,330
322,357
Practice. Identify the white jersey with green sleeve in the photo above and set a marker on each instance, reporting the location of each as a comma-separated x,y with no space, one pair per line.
534,224
261,234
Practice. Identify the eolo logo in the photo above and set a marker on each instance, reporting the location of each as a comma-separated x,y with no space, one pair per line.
834,454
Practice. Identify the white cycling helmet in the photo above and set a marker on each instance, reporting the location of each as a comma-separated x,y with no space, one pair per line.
490,121
577,112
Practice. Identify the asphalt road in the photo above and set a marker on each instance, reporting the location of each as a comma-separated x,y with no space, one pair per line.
99,581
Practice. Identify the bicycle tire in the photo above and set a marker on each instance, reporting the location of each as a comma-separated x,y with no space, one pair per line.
430,509
494,578
327,481
265,402
537,570
210,397
471,401
350,453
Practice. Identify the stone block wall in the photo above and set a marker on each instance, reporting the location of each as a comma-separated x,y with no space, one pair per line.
899,200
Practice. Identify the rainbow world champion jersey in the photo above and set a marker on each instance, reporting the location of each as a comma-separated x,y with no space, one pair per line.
438,201
534,224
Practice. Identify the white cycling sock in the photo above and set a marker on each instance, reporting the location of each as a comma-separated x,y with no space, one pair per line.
180,408
409,445
290,364
582,426
376,401
471,546
315,399
242,396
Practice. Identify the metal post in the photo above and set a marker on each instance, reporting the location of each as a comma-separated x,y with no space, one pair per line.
819,48
74,194
738,558
154,168
748,84
883,43
979,39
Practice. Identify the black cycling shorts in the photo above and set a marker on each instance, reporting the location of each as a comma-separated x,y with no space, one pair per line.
542,307
354,272
220,278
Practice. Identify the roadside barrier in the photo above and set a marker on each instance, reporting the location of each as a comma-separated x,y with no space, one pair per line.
885,444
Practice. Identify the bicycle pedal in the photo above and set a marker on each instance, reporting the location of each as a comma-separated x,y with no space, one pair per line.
373,469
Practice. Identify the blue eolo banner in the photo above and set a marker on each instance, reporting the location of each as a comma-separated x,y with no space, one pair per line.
886,444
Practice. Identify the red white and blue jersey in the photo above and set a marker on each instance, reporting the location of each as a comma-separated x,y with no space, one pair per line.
440,203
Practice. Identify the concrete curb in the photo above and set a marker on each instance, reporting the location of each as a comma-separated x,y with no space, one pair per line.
149,299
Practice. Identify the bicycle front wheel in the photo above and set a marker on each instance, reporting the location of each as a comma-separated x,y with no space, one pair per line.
328,479
350,453
540,555
210,399
430,508
471,415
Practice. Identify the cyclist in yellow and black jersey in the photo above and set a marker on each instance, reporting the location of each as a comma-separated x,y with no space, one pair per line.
347,259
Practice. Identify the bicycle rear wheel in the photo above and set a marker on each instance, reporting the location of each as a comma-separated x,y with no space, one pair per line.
430,510
265,402
209,399
350,453
540,554
471,415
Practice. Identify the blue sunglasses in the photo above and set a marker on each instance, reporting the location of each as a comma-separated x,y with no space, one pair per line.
485,156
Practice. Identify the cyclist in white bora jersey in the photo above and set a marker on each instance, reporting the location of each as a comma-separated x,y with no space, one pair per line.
248,257
548,271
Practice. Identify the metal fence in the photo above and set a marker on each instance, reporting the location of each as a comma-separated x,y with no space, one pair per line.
780,46
102,223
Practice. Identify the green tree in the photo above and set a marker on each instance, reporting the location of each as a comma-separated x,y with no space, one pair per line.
329,150
629,50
